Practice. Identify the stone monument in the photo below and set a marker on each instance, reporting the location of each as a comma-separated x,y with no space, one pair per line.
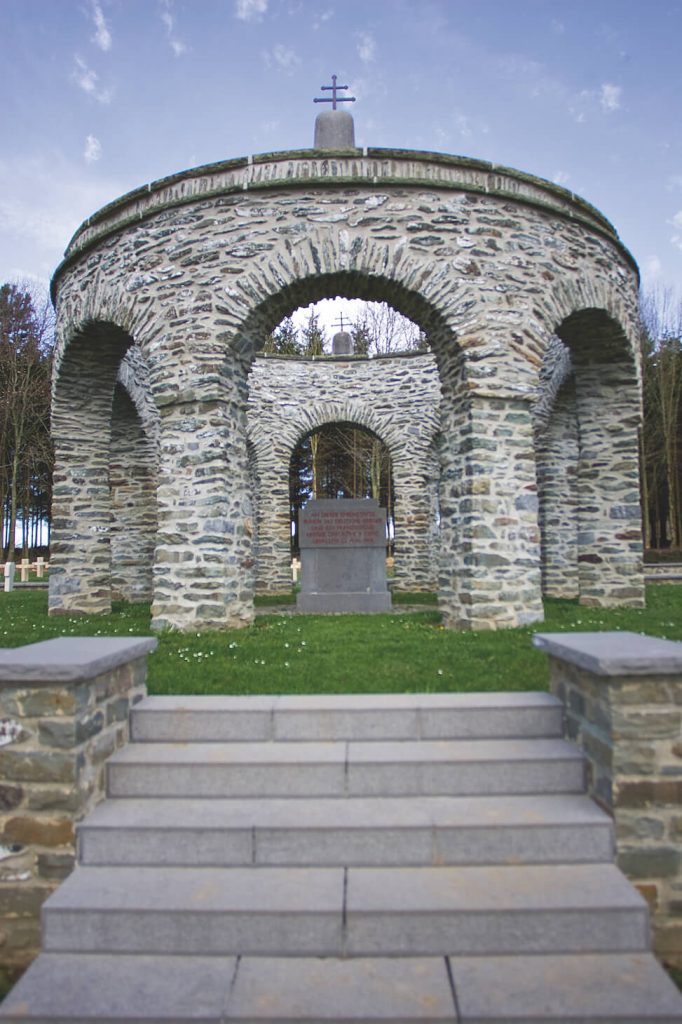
334,129
343,556
342,342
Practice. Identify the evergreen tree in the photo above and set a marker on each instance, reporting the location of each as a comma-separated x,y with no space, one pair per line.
314,340
284,340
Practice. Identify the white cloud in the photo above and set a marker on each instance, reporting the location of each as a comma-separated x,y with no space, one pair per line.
609,97
366,47
102,36
250,10
677,219
322,18
168,19
283,57
93,149
561,178
86,79
674,182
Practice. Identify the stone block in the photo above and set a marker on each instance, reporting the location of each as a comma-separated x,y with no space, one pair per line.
408,990
650,862
602,989
55,866
39,831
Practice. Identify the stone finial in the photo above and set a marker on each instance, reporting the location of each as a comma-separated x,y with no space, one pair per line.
334,129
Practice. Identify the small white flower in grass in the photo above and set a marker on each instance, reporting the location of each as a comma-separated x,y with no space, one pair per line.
440,671
286,664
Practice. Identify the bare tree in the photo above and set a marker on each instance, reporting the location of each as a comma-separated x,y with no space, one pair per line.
25,363
380,330
661,446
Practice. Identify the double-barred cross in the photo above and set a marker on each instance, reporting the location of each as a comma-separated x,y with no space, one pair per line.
334,99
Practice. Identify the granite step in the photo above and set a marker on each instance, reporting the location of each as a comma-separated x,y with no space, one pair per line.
347,717
356,912
339,768
585,989
561,828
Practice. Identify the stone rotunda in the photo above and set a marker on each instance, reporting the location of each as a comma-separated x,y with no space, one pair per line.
529,441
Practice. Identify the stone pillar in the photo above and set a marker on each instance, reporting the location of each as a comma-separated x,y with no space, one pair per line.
557,465
63,710
133,503
413,561
609,513
273,572
623,698
490,571
203,569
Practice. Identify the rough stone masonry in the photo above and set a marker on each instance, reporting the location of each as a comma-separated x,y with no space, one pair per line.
190,273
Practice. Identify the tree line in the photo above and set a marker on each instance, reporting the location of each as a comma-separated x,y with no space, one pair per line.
661,437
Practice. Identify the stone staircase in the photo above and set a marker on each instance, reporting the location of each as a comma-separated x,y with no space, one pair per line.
345,859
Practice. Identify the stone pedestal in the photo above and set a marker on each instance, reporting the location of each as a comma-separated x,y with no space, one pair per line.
623,698
63,710
343,556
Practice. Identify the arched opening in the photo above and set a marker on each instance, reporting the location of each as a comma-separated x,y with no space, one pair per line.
324,389
80,557
606,410
341,460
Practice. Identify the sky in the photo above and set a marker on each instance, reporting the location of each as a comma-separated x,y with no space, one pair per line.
101,96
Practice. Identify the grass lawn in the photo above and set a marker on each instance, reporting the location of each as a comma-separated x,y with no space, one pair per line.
400,652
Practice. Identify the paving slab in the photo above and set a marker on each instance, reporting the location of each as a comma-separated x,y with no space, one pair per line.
101,989
355,830
594,989
224,769
333,991
345,716
493,910
71,659
614,653
461,767
201,911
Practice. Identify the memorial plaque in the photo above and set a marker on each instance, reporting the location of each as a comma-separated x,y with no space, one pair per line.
343,556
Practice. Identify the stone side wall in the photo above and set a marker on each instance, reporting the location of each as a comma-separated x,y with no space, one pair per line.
492,264
627,717
397,398
55,735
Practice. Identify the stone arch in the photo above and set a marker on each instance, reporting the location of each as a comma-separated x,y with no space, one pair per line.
273,459
395,397
608,417
83,392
